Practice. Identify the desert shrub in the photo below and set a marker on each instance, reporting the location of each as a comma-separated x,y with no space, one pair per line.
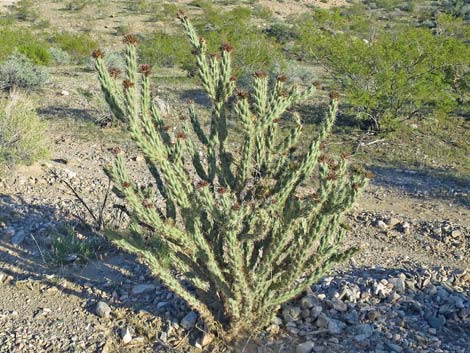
22,134
396,75
112,59
79,46
59,56
166,50
25,10
33,47
36,52
20,72
232,217
255,50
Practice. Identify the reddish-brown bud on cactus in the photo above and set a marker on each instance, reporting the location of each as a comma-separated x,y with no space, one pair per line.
233,78
145,69
334,95
222,190
181,135
282,78
127,84
202,184
226,47
260,74
126,185
276,120
284,94
166,128
98,53
131,39
114,72
242,94
116,151
181,14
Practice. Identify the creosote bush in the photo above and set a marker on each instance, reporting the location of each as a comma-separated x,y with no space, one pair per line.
22,134
249,226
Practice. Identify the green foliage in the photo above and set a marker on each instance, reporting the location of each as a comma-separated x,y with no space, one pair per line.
68,246
22,134
36,52
24,41
79,46
166,50
395,74
255,50
234,218
25,10
20,72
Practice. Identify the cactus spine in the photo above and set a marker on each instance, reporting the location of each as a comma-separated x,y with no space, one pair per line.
234,222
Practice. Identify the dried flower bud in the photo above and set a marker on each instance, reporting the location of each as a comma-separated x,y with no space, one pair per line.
147,203
181,14
127,84
276,120
98,53
334,95
126,184
131,39
166,128
116,151
226,47
222,190
202,184
332,176
236,206
284,94
323,158
114,72
260,74
241,94
233,78
282,78
292,149
181,135
145,69
355,186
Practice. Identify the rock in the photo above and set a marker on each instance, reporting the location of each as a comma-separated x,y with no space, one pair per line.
189,320
436,321
162,106
340,306
316,311
103,310
18,238
335,327
307,302
456,233
398,284
206,339
163,337
64,93
143,288
392,222
394,347
305,347
362,332
291,313
381,225
405,228
126,335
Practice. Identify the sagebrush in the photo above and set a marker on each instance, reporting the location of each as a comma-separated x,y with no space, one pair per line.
250,225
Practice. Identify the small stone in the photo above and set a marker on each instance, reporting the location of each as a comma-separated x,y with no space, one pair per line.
381,225
405,228
206,339
398,284
307,302
305,347
373,315
394,347
392,222
163,337
335,327
103,310
126,335
340,306
316,311
436,321
143,288
456,233
18,238
291,313
189,320
64,93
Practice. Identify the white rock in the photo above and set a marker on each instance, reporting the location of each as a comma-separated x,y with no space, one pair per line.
126,335
382,225
65,93
103,310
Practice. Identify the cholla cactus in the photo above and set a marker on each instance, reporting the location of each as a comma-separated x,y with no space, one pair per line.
235,223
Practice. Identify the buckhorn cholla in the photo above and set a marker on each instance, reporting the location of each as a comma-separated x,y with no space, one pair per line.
234,223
